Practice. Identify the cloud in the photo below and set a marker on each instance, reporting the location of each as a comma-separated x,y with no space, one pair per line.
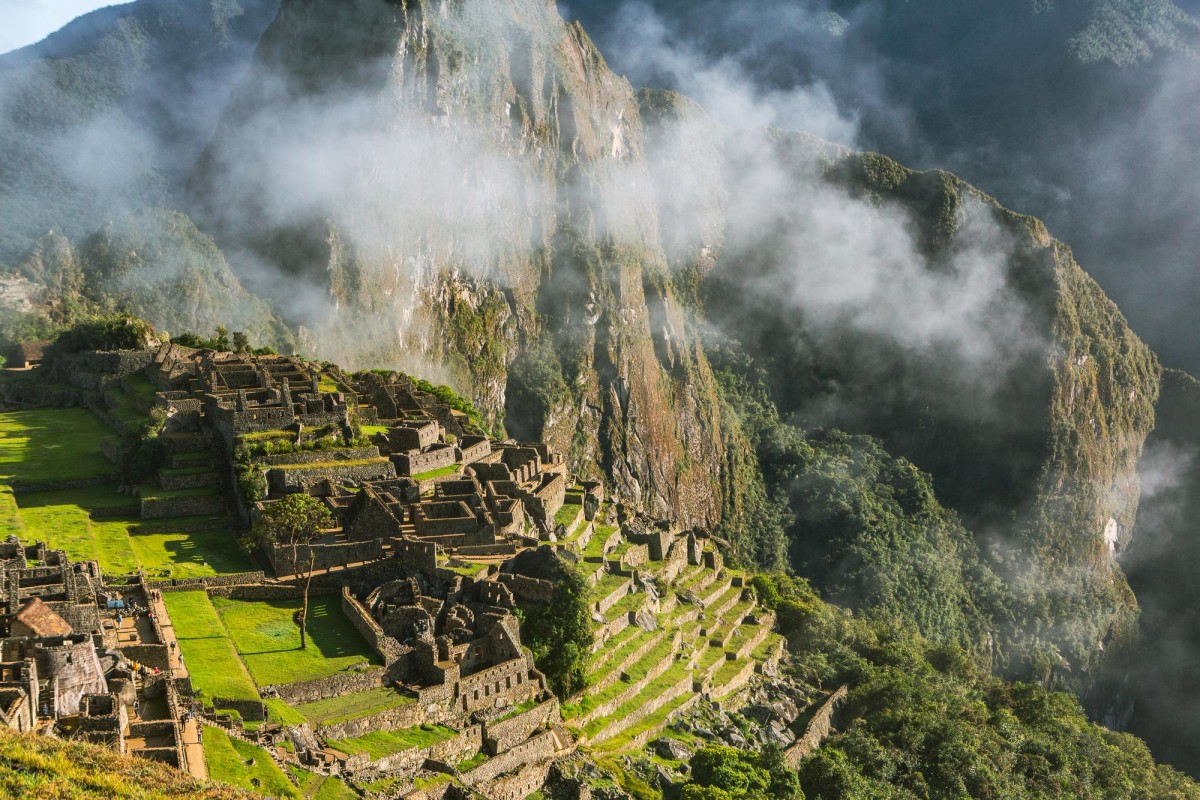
30,21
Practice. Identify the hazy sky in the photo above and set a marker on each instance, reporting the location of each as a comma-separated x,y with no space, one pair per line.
29,21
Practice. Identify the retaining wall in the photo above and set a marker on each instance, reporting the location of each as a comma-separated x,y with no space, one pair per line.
212,581
818,728
389,648
160,507
337,685
540,747
508,733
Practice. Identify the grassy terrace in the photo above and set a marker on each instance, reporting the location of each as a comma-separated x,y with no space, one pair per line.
630,602
51,445
265,436
238,763
98,523
435,473
378,744
610,653
209,653
353,706
655,720
607,585
676,673
636,672
567,514
269,641
153,492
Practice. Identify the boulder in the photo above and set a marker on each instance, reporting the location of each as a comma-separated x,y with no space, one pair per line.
671,749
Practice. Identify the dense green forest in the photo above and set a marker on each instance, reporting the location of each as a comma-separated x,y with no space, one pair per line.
922,720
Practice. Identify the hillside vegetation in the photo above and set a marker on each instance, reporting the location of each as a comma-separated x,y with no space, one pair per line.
41,768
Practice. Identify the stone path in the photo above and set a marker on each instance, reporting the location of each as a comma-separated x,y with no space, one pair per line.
193,750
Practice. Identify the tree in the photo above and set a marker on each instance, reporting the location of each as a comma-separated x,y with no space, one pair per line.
295,520
221,340
559,634
241,342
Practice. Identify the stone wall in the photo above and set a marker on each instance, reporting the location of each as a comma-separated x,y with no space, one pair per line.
388,648
537,748
392,719
473,448
268,591
212,581
510,683
252,710
510,732
524,783
284,481
818,728
82,618
323,456
192,480
342,683
152,655
526,588
324,555
451,751
161,507
436,457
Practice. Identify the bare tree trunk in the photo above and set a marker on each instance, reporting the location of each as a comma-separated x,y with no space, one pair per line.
304,603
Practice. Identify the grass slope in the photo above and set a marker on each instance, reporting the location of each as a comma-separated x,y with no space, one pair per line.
209,653
51,445
42,768
239,763
269,641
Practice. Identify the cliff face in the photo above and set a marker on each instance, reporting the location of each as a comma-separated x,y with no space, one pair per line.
1158,673
488,201
492,201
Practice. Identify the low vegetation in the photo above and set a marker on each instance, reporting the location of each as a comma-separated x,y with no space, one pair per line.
42,768
239,763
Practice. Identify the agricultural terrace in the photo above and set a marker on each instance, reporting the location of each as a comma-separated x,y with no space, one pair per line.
231,647
40,450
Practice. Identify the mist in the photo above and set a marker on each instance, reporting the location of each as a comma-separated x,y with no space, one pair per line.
1040,110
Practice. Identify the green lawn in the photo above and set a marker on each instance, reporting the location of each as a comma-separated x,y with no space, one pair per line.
378,744
51,445
98,523
567,514
353,706
153,491
435,473
239,763
10,516
58,519
209,654
371,430
195,554
269,641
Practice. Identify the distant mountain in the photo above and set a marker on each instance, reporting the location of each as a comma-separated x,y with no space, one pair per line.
108,114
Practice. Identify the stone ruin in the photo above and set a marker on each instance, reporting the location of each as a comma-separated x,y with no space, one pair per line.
63,668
